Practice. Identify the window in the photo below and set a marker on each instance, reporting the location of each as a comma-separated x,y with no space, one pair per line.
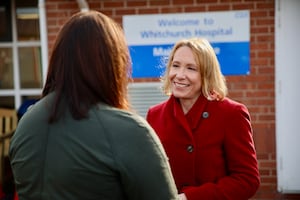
21,69
5,21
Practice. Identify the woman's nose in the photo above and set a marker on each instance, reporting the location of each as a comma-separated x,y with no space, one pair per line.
180,73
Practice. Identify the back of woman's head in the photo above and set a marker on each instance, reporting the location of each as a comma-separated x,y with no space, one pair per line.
90,63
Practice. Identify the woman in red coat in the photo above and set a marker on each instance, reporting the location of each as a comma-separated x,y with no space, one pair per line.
207,136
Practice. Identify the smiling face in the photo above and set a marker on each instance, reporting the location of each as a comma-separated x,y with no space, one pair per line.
184,75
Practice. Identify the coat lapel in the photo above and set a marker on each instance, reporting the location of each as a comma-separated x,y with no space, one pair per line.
192,119
197,113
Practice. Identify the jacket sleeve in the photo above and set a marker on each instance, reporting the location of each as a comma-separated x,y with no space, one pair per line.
243,176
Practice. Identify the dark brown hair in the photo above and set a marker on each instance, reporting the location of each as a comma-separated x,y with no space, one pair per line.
90,63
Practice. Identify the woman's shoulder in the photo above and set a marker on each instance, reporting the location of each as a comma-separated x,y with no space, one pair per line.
122,125
161,105
231,103
118,118
228,105
36,113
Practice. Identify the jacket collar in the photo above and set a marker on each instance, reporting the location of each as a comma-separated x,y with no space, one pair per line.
195,114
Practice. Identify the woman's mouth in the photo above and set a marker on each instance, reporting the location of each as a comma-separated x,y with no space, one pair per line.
181,85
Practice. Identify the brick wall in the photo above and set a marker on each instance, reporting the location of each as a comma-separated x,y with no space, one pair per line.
256,90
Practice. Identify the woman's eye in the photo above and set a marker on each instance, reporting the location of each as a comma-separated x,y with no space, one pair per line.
192,68
175,65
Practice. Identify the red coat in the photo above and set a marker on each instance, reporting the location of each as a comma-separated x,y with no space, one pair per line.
211,149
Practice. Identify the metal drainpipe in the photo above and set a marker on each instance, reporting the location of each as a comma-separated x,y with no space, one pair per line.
44,39
83,5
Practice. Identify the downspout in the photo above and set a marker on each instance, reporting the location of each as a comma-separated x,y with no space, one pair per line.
83,5
44,38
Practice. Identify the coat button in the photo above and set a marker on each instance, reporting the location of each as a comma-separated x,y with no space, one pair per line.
190,148
205,115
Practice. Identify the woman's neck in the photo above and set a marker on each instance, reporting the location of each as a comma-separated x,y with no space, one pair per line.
187,104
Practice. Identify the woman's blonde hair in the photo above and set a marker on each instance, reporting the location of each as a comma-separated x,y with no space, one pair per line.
213,83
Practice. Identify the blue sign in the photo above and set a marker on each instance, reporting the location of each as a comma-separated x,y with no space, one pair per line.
150,43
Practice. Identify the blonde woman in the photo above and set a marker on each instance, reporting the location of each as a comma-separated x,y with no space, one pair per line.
207,136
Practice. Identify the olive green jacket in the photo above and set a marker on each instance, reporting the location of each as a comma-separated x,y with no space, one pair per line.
112,155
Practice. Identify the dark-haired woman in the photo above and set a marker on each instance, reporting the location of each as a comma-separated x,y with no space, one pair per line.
80,141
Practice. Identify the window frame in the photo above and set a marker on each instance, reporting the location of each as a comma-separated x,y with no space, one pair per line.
17,92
